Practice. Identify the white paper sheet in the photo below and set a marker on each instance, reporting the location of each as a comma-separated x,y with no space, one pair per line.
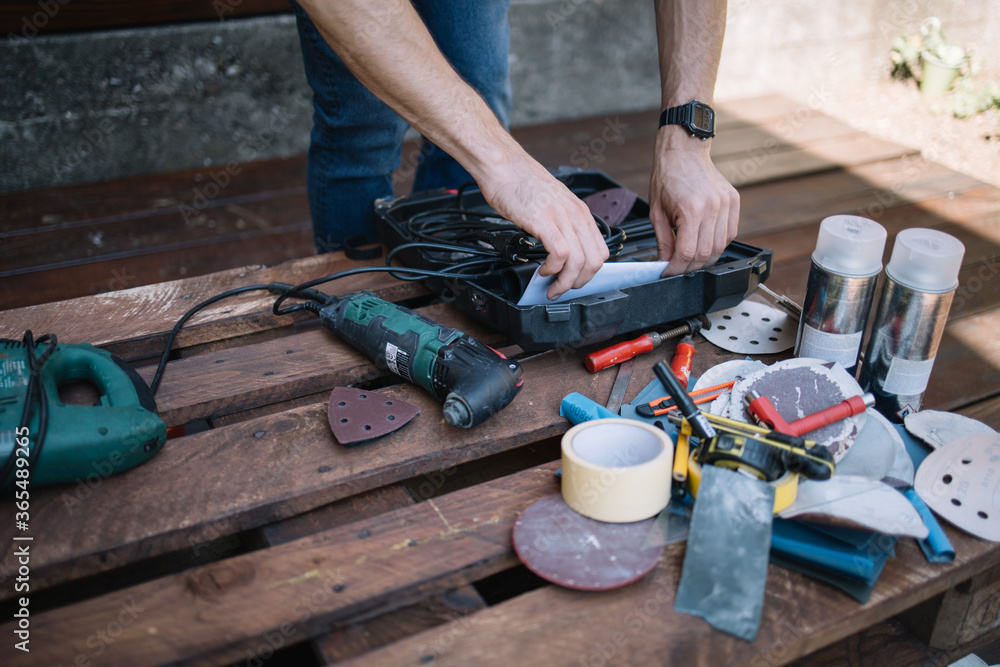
611,276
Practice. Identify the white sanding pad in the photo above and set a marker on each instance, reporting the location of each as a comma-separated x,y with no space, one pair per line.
752,328
961,483
937,428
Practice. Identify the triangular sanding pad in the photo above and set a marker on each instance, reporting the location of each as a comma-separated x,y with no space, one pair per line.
359,415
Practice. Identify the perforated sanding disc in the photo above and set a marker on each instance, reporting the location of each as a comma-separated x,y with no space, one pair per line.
359,415
961,482
565,547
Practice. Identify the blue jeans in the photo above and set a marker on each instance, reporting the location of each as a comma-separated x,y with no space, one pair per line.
356,140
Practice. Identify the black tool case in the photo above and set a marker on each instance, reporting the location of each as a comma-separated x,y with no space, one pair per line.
585,320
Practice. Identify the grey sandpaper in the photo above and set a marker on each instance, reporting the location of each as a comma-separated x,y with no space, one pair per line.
359,415
564,547
725,565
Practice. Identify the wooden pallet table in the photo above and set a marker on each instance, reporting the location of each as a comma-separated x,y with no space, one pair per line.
256,538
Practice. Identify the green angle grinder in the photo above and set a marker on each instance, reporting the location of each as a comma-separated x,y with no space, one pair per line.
61,442
473,380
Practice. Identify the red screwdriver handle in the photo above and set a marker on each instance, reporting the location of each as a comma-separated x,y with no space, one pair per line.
609,356
855,405
681,364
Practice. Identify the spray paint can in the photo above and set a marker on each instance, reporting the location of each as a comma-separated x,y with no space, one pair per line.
921,278
842,280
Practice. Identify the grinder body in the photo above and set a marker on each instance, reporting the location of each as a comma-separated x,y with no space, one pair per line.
472,380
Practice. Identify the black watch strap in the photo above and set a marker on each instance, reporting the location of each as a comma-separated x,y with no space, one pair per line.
681,115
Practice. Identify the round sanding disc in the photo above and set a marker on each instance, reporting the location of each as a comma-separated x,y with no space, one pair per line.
800,387
564,547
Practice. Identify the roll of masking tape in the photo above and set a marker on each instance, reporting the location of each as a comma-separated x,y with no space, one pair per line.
786,487
616,470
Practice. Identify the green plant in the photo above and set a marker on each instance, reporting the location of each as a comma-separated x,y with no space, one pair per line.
905,56
968,99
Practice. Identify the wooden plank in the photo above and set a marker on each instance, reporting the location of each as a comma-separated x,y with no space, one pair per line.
356,508
771,163
972,216
964,614
322,397
967,366
778,135
94,204
126,237
135,322
986,411
435,611
21,17
887,643
867,190
328,579
358,638
637,624
182,260
250,474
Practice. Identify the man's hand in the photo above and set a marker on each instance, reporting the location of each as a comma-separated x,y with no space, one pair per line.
525,193
687,193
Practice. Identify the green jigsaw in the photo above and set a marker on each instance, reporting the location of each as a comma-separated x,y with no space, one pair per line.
118,432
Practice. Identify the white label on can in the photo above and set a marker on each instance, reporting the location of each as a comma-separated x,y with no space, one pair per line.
842,348
907,377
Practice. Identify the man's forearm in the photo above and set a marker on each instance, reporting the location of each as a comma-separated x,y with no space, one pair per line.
687,193
387,47
689,34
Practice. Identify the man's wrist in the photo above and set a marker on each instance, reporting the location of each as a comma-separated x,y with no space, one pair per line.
676,137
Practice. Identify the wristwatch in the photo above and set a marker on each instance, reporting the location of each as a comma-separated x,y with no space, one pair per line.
696,117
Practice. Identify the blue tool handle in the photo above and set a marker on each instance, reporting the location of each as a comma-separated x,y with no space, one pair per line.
578,408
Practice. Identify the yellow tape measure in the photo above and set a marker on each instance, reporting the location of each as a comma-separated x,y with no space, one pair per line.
786,487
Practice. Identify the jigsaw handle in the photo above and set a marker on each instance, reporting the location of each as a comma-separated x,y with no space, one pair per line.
118,384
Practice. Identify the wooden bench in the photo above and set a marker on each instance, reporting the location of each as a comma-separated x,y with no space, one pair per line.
256,537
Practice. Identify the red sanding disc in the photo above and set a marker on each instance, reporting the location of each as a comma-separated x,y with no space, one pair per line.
563,546
359,415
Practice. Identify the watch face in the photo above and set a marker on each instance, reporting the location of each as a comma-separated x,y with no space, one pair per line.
703,117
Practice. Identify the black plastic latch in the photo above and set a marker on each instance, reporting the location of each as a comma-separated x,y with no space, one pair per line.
557,312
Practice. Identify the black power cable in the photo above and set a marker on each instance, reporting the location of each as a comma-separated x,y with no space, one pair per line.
478,243
34,393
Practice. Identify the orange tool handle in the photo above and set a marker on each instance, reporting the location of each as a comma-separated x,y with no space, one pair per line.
855,405
697,401
681,364
609,356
